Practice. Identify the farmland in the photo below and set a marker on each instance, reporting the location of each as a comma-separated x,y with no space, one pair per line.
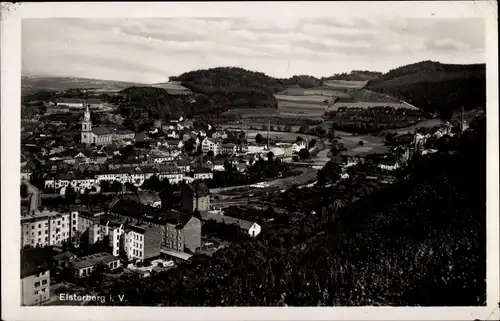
363,104
347,84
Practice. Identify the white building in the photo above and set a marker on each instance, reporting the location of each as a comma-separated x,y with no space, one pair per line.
48,228
210,144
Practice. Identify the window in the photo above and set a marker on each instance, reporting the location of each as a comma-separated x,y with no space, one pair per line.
74,229
74,222
36,293
44,282
46,238
39,232
39,225
58,222
37,284
46,232
32,227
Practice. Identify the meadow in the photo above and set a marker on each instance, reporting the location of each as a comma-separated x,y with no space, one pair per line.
368,104
348,84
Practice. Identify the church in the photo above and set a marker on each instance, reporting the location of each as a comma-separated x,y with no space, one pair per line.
101,135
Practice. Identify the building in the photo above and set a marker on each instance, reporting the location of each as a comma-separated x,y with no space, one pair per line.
210,144
219,164
94,103
179,231
48,228
71,102
195,197
101,135
296,147
174,143
83,267
35,275
142,242
251,228
202,173
149,198
228,149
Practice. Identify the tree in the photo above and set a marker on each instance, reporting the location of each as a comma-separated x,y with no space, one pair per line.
303,129
259,138
312,143
131,187
304,153
105,186
189,145
299,139
116,187
360,143
24,190
167,194
152,184
287,128
270,157
210,153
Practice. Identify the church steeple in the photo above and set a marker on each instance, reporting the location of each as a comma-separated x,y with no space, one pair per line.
86,114
86,137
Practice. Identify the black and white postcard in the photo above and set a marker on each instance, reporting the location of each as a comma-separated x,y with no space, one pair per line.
162,159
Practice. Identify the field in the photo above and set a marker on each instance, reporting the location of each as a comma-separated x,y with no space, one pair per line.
425,123
325,91
303,99
173,88
345,84
365,104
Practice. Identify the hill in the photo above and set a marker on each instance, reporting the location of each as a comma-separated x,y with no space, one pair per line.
232,88
435,87
31,85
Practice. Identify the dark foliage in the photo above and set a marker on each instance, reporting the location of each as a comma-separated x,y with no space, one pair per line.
436,87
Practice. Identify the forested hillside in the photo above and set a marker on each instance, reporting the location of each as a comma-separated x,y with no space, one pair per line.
424,234
436,87
231,87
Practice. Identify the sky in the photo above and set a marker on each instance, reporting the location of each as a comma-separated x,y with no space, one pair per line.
151,50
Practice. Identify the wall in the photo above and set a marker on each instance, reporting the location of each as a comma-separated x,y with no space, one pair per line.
192,234
28,296
152,241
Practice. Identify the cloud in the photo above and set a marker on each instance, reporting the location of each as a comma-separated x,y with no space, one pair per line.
150,50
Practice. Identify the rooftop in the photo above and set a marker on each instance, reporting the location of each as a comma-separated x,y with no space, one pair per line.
35,260
91,260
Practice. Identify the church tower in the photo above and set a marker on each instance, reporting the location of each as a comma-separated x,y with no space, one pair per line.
86,128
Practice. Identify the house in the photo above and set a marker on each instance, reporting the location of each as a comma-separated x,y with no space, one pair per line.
149,198
241,167
70,102
218,164
251,228
35,275
228,149
172,134
389,164
184,165
174,143
297,146
210,144
179,231
46,228
195,197
63,259
82,267
202,173
94,103
220,135
143,242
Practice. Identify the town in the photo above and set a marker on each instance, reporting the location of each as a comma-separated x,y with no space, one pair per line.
99,201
